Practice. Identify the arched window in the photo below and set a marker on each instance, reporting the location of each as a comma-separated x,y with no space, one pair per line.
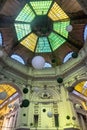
0,39
67,57
17,58
47,65
85,33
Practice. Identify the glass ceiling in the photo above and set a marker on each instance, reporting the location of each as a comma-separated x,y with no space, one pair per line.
10,90
82,88
38,33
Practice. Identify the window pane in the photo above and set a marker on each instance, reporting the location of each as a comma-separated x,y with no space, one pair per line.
60,28
56,13
26,15
30,41
41,7
67,57
55,40
22,30
43,45
0,39
82,88
17,58
10,90
47,65
85,33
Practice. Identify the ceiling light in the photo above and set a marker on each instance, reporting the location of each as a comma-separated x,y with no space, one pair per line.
38,62
35,89
3,95
49,114
69,28
16,105
9,105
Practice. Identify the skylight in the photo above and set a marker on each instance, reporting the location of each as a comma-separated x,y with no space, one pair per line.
41,26
26,15
82,88
56,13
22,30
10,90
30,41
60,28
41,7
43,45
55,40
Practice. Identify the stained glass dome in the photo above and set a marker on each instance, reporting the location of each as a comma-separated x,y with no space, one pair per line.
41,26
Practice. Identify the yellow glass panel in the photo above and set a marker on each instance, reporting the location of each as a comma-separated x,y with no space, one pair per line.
84,105
30,41
82,88
85,92
56,13
10,90
79,86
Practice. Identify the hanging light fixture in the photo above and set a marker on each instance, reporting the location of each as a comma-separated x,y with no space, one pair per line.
69,28
38,62
9,105
35,89
16,104
49,114
3,95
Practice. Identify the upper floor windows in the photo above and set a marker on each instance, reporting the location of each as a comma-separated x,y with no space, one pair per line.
47,65
0,39
17,58
85,33
67,57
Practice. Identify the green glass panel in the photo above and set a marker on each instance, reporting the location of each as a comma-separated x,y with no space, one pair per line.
22,30
41,7
55,40
60,27
43,45
26,14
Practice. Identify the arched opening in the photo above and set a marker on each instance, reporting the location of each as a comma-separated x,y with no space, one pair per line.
0,39
67,57
10,99
47,65
18,58
85,33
